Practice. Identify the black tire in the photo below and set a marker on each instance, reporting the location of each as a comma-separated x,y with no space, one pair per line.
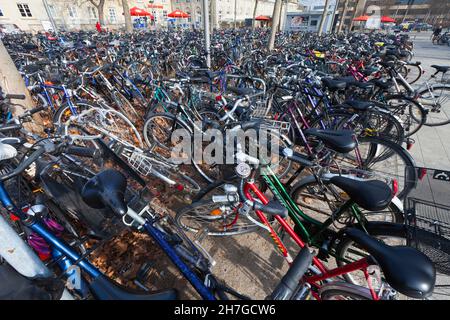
64,112
384,157
344,291
414,73
411,113
206,222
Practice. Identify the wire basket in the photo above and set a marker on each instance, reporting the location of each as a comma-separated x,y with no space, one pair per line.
262,111
138,161
427,208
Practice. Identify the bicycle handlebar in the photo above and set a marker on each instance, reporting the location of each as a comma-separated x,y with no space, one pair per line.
289,283
48,148
228,114
15,96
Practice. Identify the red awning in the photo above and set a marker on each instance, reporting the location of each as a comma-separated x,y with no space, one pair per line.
136,12
387,19
178,14
263,18
361,18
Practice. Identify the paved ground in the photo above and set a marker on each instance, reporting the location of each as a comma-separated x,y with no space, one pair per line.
432,148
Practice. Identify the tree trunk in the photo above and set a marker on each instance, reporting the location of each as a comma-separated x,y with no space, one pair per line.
275,22
12,82
254,14
324,17
100,9
359,10
127,16
280,15
342,18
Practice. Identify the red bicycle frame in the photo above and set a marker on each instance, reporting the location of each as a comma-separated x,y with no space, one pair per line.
313,281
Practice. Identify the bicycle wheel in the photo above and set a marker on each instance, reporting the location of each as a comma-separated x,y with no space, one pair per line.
113,125
410,113
158,131
414,73
319,202
216,219
383,157
65,112
380,123
124,105
437,100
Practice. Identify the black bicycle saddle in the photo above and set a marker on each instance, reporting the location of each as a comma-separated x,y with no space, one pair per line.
406,269
341,141
372,195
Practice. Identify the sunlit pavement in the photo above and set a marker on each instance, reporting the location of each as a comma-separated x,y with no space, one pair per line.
432,147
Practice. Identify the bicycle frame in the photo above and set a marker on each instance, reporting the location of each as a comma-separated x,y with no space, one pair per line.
324,273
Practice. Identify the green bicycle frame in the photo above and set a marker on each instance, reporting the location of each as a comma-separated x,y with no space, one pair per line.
299,217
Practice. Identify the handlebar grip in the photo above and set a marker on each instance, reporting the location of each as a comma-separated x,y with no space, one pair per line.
15,96
83,151
23,165
296,157
10,127
274,208
288,284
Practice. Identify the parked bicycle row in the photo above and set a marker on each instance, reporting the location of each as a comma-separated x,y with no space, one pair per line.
307,143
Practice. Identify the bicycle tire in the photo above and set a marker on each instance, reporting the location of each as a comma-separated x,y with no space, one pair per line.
330,291
415,111
425,101
378,151
210,207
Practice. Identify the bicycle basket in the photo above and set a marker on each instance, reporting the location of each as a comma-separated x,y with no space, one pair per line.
427,208
138,161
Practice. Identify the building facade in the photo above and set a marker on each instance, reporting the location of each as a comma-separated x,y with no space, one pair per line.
27,15
423,11
309,20
224,13
31,15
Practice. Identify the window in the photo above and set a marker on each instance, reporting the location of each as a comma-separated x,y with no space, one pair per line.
92,12
1,12
313,23
24,10
72,11
112,15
